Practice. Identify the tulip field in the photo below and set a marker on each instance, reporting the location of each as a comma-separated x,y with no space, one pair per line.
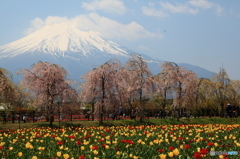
121,142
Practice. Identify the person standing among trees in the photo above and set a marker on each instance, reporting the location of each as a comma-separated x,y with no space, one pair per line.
229,110
4,118
24,118
18,118
234,111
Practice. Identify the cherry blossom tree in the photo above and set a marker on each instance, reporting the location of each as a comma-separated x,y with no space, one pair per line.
139,81
99,86
223,89
183,83
236,96
163,87
47,82
203,92
206,96
7,87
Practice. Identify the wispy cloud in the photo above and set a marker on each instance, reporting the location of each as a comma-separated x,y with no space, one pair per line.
38,23
179,8
111,6
204,4
107,27
163,9
151,11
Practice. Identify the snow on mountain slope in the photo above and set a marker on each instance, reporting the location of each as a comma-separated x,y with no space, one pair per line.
62,40
75,50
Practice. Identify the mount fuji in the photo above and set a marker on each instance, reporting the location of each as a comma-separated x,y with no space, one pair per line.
75,50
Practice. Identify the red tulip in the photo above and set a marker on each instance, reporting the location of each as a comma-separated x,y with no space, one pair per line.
95,147
187,146
197,155
171,148
104,145
60,143
81,157
210,144
160,150
204,151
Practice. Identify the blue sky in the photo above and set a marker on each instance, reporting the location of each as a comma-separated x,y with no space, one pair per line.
204,33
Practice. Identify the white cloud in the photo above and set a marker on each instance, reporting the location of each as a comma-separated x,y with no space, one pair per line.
201,4
107,27
165,8
38,23
204,4
150,11
191,7
180,8
219,10
111,6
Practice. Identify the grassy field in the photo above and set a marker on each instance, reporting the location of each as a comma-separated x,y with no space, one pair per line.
123,122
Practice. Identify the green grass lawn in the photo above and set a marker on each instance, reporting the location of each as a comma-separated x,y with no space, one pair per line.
123,122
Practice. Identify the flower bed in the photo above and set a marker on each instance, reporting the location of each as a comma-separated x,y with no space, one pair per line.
145,142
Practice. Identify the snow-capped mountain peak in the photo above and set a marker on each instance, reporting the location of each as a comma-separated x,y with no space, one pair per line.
75,50
62,40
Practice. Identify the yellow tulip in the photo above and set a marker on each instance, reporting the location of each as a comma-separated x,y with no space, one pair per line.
34,157
131,155
59,154
95,152
155,141
66,156
82,148
20,154
181,147
27,145
30,147
162,156
10,148
118,153
198,149
170,154
176,152
139,141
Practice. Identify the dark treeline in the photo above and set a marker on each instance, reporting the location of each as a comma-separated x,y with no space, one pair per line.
117,89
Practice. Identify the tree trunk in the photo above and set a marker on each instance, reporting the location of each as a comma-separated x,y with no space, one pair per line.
51,118
103,97
93,111
222,110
